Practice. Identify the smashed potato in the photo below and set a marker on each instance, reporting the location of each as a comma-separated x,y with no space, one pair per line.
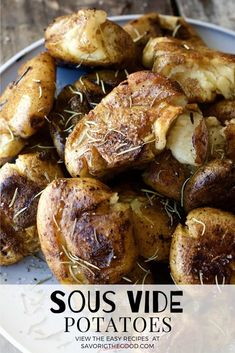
89,38
127,128
20,187
223,110
154,25
202,251
201,72
212,185
229,134
154,222
86,234
27,101
166,175
73,102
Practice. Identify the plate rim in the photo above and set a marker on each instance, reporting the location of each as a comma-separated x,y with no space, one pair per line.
39,42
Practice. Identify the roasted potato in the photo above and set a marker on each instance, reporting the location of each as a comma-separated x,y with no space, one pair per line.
203,251
201,72
30,98
154,222
166,175
188,139
154,217
73,102
142,29
20,187
86,234
10,145
107,79
229,134
177,27
154,25
127,128
212,185
223,110
88,38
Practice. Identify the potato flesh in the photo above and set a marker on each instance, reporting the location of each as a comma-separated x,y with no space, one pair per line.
201,72
180,138
88,38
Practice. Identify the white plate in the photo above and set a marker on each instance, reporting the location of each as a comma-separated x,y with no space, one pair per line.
32,270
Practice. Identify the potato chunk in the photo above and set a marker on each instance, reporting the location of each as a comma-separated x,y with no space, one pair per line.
88,38
30,98
127,129
85,233
20,187
201,72
203,250
212,185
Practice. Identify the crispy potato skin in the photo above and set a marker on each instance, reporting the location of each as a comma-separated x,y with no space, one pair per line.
166,175
204,250
19,184
153,228
212,185
127,129
190,66
30,97
87,37
82,217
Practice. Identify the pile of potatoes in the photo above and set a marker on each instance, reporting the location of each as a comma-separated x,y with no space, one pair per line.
129,168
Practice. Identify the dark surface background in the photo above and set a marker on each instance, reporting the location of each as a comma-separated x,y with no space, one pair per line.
23,21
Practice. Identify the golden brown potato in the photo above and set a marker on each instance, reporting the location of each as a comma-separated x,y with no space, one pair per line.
154,222
142,29
201,72
223,110
88,38
20,187
85,233
140,274
188,139
212,185
73,102
229,134
30,98
166,175
177,27
127,128
10,145
203,250
154,25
